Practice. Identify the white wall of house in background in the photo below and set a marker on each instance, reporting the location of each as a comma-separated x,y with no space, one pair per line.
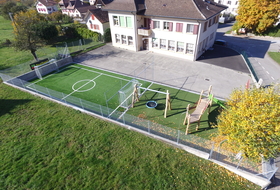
232,6
46,9
95,25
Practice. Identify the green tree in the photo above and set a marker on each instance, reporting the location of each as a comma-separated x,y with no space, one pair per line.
11,7
56,16
107,35
45,30
26,38
251,122
257,15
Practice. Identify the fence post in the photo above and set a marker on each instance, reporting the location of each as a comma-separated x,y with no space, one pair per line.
22,83
211,152
178,138
101,110
149,130
81,103
123,118
48,92
63,97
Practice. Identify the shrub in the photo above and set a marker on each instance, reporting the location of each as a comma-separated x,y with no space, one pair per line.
6,43
87,34
67,19
107,35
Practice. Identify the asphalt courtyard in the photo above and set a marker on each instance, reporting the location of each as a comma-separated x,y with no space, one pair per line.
220,67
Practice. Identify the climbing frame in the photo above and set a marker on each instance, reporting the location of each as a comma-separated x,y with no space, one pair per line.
201,106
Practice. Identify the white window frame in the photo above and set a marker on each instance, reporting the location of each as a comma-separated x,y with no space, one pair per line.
155,42
118,38
190,28
189,48
130,40
181,47
116,21
123,38
156,26
166,25
171,45
162,45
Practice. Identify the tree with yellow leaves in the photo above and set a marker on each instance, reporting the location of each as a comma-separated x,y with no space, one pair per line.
257,15
251,122
25,35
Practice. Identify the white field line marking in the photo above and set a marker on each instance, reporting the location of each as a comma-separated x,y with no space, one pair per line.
272,78
46,76
263,67
259,63
82,86
101,73
105,74
267,72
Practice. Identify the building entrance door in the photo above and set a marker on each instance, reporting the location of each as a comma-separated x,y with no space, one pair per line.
146,44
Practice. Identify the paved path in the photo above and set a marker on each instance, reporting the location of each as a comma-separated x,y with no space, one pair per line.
275,185
256,49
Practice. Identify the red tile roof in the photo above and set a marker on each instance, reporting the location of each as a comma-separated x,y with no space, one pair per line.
48,3
102,16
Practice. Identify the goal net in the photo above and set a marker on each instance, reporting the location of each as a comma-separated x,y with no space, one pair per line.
126,93
46,68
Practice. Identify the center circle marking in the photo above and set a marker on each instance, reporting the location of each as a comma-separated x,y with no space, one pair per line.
85,82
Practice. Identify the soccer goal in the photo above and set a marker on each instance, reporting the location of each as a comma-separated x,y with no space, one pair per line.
46,68
127,93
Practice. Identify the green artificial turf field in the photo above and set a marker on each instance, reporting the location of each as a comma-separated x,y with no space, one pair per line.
101,87
85,83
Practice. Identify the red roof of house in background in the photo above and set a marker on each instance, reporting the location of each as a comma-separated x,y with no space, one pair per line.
48,3
102,16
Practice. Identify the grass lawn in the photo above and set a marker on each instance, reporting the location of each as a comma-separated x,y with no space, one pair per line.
10,57
275,56
45,145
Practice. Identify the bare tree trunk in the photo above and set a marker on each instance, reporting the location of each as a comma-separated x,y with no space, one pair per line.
34,55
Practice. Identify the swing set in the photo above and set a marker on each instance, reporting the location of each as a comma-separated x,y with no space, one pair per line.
135,97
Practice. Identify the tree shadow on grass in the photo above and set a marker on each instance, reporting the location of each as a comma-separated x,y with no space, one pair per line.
8,105
213,115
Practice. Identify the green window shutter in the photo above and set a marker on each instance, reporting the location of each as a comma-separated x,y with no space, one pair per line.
122,21
128,22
